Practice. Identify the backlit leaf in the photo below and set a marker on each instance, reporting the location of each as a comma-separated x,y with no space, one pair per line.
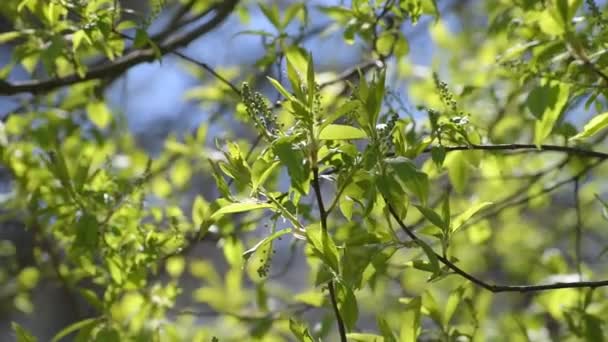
341,132
596,124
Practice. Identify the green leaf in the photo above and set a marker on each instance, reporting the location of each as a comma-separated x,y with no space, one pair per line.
385,329
291,12
239,207
452,304
28,277
341,132
438,155
596,124
297,60
385,43
279,87
272,14
78,37
415,180
430,254
557,94
464,217
115,269
87,233
313,297
433,217
9,36
220,182
541,98
73,328
59,167
363,337
258,257
200,211
348,305
402,46
458,170
233,252
300,330
259,178
324,246
344,109
295,161
92,297
22,334
175,266
99,113
24,3
431,307
410,319
593,328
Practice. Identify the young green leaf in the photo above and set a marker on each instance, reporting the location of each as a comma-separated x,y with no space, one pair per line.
293,158
272,14
239,207
415,180
452,304
99,113
598,123
464,217
280,88
324,246
410,326
300,330
430,254
200,211
558,94
348,305
341,132
258,256
385,329
458,170
433,217
22,334
73,328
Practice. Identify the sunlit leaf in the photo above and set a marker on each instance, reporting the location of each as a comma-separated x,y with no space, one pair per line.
73,328
22,334
324,246
341,132
99,113
596,124
239,207
465,216
259,256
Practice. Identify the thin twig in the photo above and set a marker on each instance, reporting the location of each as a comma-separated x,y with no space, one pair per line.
531,147
526,199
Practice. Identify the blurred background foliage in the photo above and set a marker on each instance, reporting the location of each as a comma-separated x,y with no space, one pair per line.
148,194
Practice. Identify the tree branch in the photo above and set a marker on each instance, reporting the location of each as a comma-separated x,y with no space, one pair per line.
123,63
533,148
491,287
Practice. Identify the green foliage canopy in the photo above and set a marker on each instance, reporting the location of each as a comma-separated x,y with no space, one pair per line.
460,200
